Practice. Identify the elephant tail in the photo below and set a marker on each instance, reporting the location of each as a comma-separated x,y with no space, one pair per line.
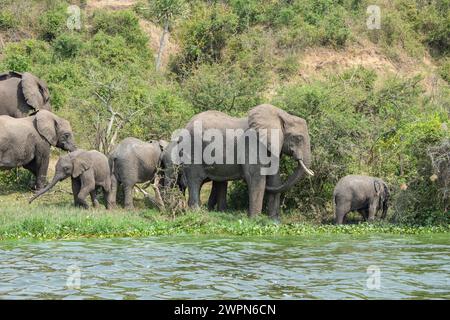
112,166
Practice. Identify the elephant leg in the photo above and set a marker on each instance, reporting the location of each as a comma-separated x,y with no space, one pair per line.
364,213
112,194
94,200
341,212
256,185
274,199
222,196
372,211
87,185
128,190
76,186
194,193
32,168
212,200
41,171
106,194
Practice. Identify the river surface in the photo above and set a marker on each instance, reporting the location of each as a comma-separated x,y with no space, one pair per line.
312,267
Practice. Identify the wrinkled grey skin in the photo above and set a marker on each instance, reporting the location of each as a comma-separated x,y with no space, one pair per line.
364,194
88,170
21,94
133,161
26,142
173,174
294,142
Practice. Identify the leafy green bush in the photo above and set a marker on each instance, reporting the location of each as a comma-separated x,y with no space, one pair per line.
444,70
24,55
15,180
67,45
205,35
224,88
52,23
7,20
120,23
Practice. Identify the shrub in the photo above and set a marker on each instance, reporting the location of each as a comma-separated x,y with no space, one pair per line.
52,23
444,70
222,87
67,45
205,35
122,23
7,20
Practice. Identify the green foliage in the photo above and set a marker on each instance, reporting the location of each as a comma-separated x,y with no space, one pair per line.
7,20
52,23
205,35
225,88
120,23
444,70
164,11
23,55
434,22
15,180
67,45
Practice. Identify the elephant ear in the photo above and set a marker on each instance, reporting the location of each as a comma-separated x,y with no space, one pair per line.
81,163
264,118
46,123
35,91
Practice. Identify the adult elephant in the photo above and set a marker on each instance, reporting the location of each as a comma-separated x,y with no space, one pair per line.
21,94
26,142
293,140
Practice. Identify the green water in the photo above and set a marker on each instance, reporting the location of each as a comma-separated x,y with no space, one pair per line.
325,267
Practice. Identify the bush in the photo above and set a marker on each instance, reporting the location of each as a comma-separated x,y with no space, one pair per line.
24,55
7,20
226,88
52,23
444,70
120,23
67,45
205,35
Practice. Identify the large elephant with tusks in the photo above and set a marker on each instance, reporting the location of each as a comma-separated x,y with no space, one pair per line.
292,139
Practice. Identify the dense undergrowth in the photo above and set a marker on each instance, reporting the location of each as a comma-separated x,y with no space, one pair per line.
236,54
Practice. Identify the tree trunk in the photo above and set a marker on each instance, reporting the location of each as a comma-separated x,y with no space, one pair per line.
162,43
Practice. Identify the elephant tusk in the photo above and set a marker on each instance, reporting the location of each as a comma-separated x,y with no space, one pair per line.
308,171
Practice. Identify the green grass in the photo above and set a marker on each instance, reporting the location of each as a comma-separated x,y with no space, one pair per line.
60,220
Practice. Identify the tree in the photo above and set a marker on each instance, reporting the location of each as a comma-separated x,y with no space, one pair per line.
165,12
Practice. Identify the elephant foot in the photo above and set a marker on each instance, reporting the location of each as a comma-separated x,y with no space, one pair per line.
276,220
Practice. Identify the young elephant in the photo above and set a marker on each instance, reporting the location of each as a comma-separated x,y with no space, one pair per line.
88,171
133,161
364,194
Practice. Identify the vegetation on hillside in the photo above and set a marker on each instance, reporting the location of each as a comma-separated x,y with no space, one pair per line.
235,54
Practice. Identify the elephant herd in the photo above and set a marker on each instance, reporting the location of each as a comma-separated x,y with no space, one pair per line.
28,129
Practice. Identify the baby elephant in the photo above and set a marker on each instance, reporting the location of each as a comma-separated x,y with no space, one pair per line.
364,194
133,161
88,171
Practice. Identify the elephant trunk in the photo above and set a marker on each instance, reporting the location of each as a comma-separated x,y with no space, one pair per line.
55,180
293,178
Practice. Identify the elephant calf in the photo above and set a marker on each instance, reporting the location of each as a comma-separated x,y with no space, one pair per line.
88,171
364,194
133,161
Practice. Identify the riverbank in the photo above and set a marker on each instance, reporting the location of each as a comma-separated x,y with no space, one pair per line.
67,222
